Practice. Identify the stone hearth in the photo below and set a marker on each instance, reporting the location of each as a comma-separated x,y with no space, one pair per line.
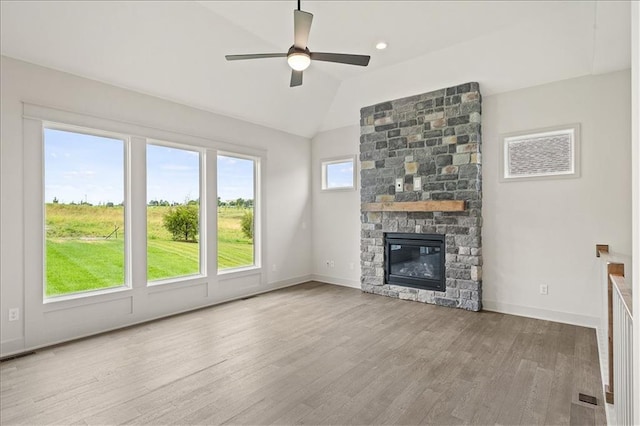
435,137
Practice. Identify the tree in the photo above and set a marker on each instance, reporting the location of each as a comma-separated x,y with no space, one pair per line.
55,200
246,223
182,222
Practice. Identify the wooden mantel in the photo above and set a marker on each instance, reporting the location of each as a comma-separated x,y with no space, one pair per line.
415,206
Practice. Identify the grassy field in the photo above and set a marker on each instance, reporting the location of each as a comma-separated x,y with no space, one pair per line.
80,258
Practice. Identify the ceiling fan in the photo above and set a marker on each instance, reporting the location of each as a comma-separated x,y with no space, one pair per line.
299,57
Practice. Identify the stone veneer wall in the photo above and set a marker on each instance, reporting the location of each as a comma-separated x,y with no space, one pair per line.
436,136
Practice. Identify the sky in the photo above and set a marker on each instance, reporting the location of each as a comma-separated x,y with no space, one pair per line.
340,175
80,167
235,178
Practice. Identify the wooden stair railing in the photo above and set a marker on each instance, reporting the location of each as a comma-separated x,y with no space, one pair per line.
611,268
616,283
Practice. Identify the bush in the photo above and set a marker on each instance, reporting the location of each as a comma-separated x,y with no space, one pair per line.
182,222
246,224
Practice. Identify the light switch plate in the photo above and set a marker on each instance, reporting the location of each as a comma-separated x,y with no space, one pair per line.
399,184
417,184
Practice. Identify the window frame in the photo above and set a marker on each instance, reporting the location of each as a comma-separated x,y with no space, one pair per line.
127,261
257,214
325,162
520,136
202,231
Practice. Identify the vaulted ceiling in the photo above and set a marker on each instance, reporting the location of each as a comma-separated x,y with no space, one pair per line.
175,50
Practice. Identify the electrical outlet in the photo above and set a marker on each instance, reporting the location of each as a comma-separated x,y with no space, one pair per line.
544,289
328,263
14,314
399,184
333,264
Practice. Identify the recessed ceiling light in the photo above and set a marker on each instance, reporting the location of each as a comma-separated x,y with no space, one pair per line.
381,45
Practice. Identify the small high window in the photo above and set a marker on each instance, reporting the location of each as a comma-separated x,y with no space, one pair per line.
339,173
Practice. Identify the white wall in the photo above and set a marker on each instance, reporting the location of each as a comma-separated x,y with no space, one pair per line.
336,214
535,232
635,158
545,232
287,183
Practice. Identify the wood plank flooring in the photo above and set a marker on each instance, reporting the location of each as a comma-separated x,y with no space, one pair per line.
313,354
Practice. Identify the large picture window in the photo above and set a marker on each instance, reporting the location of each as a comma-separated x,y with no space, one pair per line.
84,180
112,201
236,208
173,212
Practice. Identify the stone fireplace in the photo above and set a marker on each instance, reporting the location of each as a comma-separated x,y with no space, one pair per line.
421,179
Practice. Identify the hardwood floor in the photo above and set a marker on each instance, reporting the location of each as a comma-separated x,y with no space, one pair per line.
314,354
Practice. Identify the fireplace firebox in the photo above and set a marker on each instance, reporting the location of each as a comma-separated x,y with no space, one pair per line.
415,260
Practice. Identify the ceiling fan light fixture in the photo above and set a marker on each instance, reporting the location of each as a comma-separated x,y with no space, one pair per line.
299,61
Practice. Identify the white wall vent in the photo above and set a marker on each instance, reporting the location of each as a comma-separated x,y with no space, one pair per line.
541,154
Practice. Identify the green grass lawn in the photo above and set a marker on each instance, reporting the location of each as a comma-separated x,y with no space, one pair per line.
79,258
75,265
166,259
234,249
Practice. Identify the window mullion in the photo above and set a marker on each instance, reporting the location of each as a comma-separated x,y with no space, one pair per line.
137,213
210,218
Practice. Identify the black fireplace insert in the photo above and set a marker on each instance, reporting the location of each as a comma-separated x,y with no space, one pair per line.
415,260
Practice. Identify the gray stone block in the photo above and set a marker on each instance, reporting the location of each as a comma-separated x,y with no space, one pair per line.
451,303
408,296
385,106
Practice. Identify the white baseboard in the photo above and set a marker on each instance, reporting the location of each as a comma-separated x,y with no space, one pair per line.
336,281
543,314
289,282
12,346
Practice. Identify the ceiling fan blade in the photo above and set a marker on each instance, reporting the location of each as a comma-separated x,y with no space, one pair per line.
296,78
255,56
341,58
301,27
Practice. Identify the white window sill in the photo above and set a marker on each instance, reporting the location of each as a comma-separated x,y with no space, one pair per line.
227,274
85,298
